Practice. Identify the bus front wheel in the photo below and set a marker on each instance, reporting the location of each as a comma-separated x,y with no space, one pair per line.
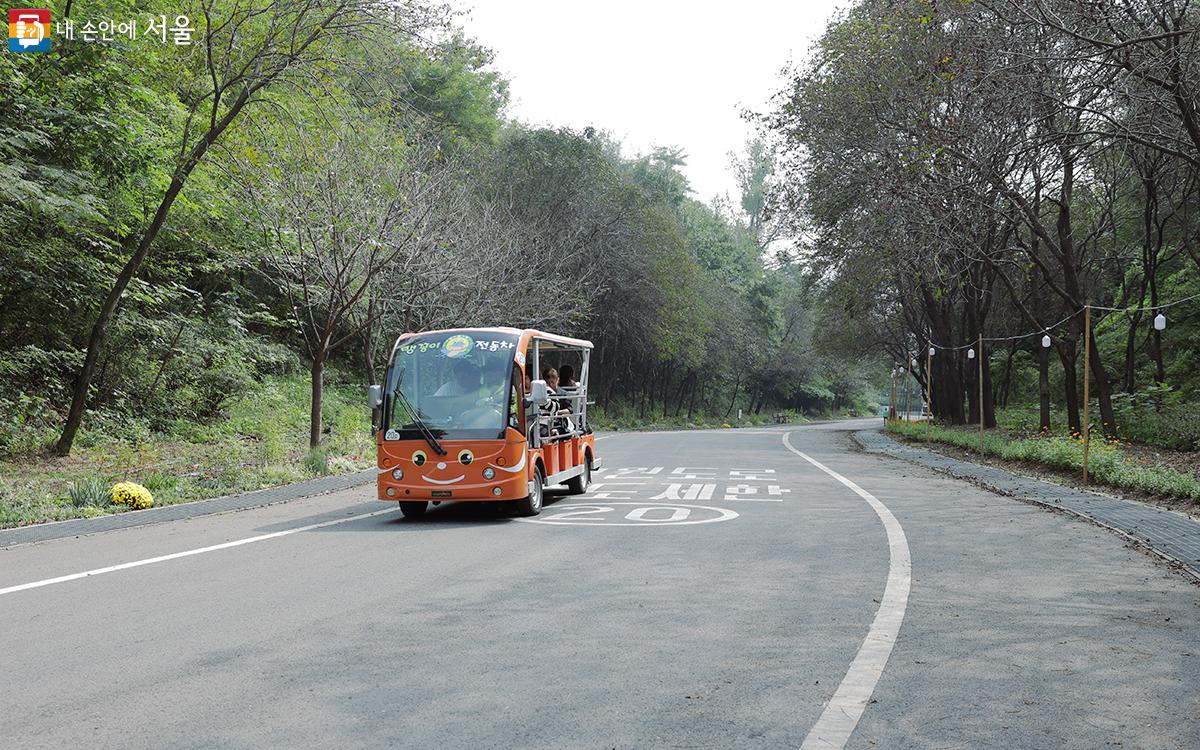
532,505
413,510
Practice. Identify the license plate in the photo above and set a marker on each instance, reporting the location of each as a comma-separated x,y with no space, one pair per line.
441,493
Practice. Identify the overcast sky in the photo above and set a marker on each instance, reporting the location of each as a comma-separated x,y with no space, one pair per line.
652,73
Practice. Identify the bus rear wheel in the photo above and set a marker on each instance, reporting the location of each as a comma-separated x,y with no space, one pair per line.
413,509
579,484
532,505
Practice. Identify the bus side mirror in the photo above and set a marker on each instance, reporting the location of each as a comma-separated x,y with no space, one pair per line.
375,397
538,393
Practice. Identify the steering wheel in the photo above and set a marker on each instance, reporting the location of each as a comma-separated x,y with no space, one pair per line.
484,415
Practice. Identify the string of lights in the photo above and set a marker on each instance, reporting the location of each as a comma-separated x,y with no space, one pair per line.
1160,323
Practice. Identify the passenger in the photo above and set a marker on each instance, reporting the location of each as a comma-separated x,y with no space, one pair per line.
570,386
568,377
560,407
550,375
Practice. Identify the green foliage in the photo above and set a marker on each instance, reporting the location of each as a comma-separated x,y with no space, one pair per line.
1158,416
87,492
317,461
1106,463
453,85
262,441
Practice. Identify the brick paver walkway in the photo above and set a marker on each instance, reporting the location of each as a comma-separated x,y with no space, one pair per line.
1171,535
44,531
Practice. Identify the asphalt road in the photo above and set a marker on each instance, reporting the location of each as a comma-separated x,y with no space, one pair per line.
715,589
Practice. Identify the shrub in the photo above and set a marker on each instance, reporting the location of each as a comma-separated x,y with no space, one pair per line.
88,492
317,461
131,494
1174,425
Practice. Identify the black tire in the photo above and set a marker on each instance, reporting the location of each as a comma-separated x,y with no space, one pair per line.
578,485
532,505
414,509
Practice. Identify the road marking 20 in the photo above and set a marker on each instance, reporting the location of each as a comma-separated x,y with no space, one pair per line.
641,514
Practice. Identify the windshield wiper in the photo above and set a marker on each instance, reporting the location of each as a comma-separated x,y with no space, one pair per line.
421,426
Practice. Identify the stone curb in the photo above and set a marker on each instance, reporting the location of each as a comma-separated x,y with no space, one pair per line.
1167,534
78,526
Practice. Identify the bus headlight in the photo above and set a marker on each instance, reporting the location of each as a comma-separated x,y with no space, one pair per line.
489,472
397,474
496,491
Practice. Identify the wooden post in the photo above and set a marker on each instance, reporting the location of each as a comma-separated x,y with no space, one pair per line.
908,389
929,385
981,393
892,402
1087,363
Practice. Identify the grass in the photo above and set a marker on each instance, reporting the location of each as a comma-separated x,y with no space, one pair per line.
1174,426
1106,464
262,442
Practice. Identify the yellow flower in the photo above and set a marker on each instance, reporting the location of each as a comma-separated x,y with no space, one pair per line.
132,494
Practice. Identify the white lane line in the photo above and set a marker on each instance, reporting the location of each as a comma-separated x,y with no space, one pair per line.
187,553
845,708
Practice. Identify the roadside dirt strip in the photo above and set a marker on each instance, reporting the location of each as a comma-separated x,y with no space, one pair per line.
77,527
1170,535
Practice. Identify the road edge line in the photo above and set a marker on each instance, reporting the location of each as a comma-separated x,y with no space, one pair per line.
185,553
844,709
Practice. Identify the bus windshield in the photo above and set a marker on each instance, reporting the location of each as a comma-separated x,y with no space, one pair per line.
457,382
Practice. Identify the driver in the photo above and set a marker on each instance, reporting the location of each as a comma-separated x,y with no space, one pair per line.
480,406
465,383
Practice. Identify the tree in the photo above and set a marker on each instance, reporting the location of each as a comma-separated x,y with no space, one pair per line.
244,51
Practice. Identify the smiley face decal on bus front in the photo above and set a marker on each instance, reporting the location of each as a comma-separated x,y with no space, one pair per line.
420,458
442,471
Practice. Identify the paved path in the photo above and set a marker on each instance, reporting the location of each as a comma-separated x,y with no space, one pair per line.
713,589
1171,535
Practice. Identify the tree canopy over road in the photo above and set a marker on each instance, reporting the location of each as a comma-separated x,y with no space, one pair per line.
992,168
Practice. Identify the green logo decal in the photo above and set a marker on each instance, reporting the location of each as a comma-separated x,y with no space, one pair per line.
457,346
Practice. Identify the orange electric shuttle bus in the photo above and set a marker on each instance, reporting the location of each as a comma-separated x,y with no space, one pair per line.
463,415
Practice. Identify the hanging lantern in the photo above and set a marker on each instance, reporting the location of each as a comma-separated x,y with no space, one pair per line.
1160,322
914,363
971,353
1046,341
932,351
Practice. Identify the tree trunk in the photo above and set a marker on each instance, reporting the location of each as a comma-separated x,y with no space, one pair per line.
1131,350
737,386
1006,380
989,402
1066,353
368,344
318,395
681,390
1103,390
162,366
